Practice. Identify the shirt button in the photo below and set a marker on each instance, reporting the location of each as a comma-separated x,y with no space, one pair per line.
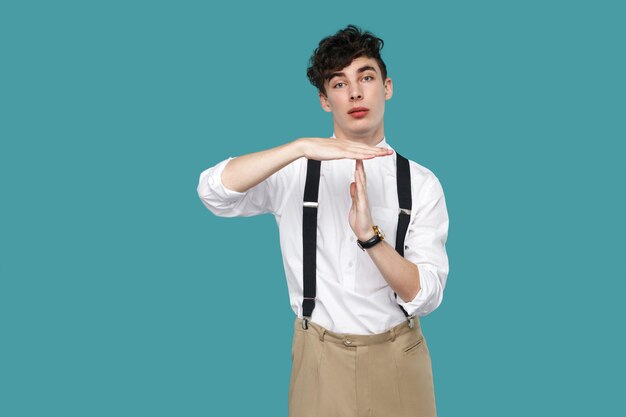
350,264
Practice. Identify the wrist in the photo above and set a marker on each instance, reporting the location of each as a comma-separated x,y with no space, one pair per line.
378,236
299,147
367,235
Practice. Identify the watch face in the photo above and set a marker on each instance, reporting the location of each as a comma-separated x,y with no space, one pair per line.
379,232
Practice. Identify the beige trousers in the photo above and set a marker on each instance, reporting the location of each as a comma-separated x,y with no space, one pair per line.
380,375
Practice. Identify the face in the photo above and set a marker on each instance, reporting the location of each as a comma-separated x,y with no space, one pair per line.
356,97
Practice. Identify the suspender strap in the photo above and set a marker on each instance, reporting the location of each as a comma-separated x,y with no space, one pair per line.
309,238
403,181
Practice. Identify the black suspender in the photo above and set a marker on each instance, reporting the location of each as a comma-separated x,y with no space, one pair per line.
403,182
309,228
309,238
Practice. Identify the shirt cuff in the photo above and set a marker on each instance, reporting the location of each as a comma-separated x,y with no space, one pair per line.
429,296
212,178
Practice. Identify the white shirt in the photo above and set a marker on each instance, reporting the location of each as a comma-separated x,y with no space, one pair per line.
352,295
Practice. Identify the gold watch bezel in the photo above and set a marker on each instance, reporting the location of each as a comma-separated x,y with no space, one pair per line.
379,232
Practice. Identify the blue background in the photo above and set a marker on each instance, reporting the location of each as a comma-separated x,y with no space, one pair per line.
121,295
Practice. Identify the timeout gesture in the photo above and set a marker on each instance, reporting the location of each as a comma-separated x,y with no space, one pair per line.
244,172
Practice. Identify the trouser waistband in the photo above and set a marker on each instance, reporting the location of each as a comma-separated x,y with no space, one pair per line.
357,339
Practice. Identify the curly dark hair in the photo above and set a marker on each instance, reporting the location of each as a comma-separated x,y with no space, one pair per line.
339,50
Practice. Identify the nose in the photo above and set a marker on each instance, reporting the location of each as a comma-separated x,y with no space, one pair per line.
355,92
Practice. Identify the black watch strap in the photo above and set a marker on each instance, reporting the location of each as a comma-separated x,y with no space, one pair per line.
378,237
370,242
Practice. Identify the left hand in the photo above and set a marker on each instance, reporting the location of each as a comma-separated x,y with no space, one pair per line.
360,216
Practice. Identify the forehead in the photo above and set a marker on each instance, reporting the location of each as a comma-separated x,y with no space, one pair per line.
358,64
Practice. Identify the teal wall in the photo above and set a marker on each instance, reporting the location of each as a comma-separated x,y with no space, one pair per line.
121,295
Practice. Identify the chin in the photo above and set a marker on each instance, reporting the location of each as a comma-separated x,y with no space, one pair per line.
365,131
359,129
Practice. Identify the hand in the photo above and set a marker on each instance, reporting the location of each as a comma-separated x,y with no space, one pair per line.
325,149
360,217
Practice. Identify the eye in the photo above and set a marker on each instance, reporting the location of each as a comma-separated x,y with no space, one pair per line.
368,78
339,85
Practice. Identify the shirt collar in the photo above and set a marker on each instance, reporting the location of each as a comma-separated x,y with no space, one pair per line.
382,144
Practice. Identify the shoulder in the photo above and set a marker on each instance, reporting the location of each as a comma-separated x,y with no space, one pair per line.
421,176
425,186
289,179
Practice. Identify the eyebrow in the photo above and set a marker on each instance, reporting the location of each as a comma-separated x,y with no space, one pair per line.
360,70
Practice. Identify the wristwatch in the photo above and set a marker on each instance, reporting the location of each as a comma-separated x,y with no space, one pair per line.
379,236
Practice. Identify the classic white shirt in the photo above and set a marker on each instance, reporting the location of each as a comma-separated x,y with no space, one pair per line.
352,295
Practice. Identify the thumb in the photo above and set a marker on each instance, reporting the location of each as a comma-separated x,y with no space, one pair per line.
353,190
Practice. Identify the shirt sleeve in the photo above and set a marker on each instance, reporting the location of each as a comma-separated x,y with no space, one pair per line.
425,247
228,203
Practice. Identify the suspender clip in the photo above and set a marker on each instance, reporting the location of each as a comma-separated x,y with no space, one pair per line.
411,322
308,309
405,211
312,204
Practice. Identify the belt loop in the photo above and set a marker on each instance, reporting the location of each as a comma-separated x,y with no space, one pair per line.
393,334
323,332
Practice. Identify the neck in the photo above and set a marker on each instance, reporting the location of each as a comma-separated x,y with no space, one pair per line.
372,138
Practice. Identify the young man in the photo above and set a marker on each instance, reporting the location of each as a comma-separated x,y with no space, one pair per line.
358,349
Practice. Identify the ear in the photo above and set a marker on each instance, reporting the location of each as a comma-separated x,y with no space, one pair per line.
324,102
388,88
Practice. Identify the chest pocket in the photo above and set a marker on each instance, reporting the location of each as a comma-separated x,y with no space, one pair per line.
387,219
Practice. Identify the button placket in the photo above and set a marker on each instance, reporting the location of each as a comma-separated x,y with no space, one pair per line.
348,260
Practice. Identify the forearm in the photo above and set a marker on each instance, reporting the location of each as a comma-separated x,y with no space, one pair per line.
401,275
246,171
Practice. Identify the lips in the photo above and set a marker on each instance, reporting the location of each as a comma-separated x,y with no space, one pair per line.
358,112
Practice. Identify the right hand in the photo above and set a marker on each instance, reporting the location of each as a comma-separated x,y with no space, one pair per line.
325,149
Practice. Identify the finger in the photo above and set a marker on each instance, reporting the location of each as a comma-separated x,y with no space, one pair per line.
356,150
361,170
359,165
363,177
377,150
361,193
357,173
365,154
372,149
347,144
353,190
362,197
383,151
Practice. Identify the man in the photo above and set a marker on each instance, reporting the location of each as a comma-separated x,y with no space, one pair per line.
358,349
